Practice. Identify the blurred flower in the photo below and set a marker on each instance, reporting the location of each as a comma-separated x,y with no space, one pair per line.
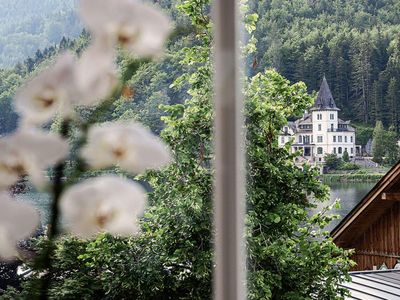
17,221
29,152
48,94
129,145
136,26
95,75
103,204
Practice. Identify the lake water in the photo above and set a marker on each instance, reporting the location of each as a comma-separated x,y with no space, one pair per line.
349,193
40,200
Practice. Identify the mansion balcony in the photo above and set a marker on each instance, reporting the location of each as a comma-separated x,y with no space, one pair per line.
304,130
338,129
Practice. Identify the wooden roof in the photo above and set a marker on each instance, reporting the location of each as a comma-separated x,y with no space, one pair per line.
381,197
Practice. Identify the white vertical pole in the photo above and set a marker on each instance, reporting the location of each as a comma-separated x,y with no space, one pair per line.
229,276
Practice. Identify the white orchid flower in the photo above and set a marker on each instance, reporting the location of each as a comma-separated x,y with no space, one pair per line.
29,152
104,204
51,92
130,145
95,75
140,28
17,222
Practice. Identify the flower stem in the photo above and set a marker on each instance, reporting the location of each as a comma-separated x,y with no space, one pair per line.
53,230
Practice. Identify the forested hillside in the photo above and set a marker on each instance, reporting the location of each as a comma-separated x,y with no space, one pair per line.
12,78
356,44
29,25
151,83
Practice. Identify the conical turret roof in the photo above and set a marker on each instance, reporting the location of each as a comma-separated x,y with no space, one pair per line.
325,99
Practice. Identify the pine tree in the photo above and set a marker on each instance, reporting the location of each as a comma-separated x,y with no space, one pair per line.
378,143
361,77
392,148
345,156
392,100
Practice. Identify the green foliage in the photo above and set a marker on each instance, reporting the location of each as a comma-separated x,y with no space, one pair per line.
290,255
352,177
345,156
332,161
11,79
384,147
392,148
29,25
348,166
354,43
378,144
363,134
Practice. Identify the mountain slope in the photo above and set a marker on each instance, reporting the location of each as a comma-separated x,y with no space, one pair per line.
28,25
356,44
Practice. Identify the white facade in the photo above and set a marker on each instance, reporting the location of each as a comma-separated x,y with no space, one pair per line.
320,132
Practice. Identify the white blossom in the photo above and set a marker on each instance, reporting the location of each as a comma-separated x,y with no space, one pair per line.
29,152
130,145
104,204
95,74
51,92
17,222
140,28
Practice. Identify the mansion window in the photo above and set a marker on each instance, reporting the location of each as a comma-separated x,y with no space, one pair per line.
340,139
334,150
282,140
331,127
300,139
345,139
319,116
305,127
306,139
320,150
340,150
332,116
286,130
319,139
319,127
351,139
334,138
351,150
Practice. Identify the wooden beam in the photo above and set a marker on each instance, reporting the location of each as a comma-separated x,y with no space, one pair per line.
391,196
373,194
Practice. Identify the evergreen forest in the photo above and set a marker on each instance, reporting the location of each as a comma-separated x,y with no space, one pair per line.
290,254
29,25
355,44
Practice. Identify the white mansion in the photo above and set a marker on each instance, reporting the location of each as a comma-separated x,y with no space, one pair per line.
320,131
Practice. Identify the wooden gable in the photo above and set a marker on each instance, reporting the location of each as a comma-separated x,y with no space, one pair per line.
372,228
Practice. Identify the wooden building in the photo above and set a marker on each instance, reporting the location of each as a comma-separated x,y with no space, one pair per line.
372,228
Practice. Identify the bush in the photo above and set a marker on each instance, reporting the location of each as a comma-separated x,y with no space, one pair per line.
332,161
347,166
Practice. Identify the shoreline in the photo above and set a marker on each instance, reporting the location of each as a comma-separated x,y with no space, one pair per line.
349,178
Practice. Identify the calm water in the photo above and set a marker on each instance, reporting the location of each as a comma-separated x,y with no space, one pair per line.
350,194
40,201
